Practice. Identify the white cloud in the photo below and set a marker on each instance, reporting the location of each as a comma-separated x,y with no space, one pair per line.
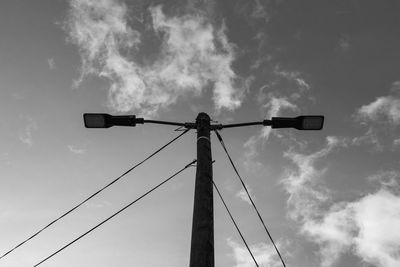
365,226
194,55
274,106
264,254
381,119
26,134
388,179
5,159
344,43
369,137
250,154
51,63
98,205
396,142
76,150
377,218
293,76
385,107
333,232
191,58
302,184
395,86
243,195
259,11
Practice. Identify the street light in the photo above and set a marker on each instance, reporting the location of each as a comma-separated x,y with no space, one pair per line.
102,120
300,123
202,243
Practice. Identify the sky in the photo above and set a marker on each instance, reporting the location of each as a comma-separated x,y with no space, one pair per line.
330,198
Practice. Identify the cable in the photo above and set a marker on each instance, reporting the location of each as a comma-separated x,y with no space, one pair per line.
247,192
233,220
115,214
94,194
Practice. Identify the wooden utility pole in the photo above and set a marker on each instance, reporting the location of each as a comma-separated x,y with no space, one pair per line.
202,244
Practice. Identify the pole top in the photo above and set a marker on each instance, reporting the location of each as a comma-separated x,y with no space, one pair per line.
203,116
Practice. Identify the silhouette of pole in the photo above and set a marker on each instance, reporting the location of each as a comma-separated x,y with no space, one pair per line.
202,243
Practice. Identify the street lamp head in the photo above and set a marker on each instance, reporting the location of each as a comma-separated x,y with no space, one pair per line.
96,120
102,120
300,123
311,122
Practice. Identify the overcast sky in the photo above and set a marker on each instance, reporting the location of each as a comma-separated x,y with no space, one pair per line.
330,198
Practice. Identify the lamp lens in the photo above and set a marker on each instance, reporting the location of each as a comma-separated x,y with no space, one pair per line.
312,122
95,120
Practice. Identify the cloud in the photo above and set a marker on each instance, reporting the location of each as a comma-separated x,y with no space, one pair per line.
274,106
333,233
98,205
387,179
377,218
365,226
51,63
369,137
344,43
385,108
395,86
264,254
5,159
194,55
396,142
381,117
76,150
250,154
191,56
293,76
243,195
302,183
259,11
306,195
26,134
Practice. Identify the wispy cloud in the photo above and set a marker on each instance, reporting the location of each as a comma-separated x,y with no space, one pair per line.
274,106
395,87
51,63
194,55
363,226
381,117
259,11
243,195
370,137
274,103
294,76
396,142
250,154
383,109
302,183
25,135
98,205
5,159
387,178
264,254
344,43
76,150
